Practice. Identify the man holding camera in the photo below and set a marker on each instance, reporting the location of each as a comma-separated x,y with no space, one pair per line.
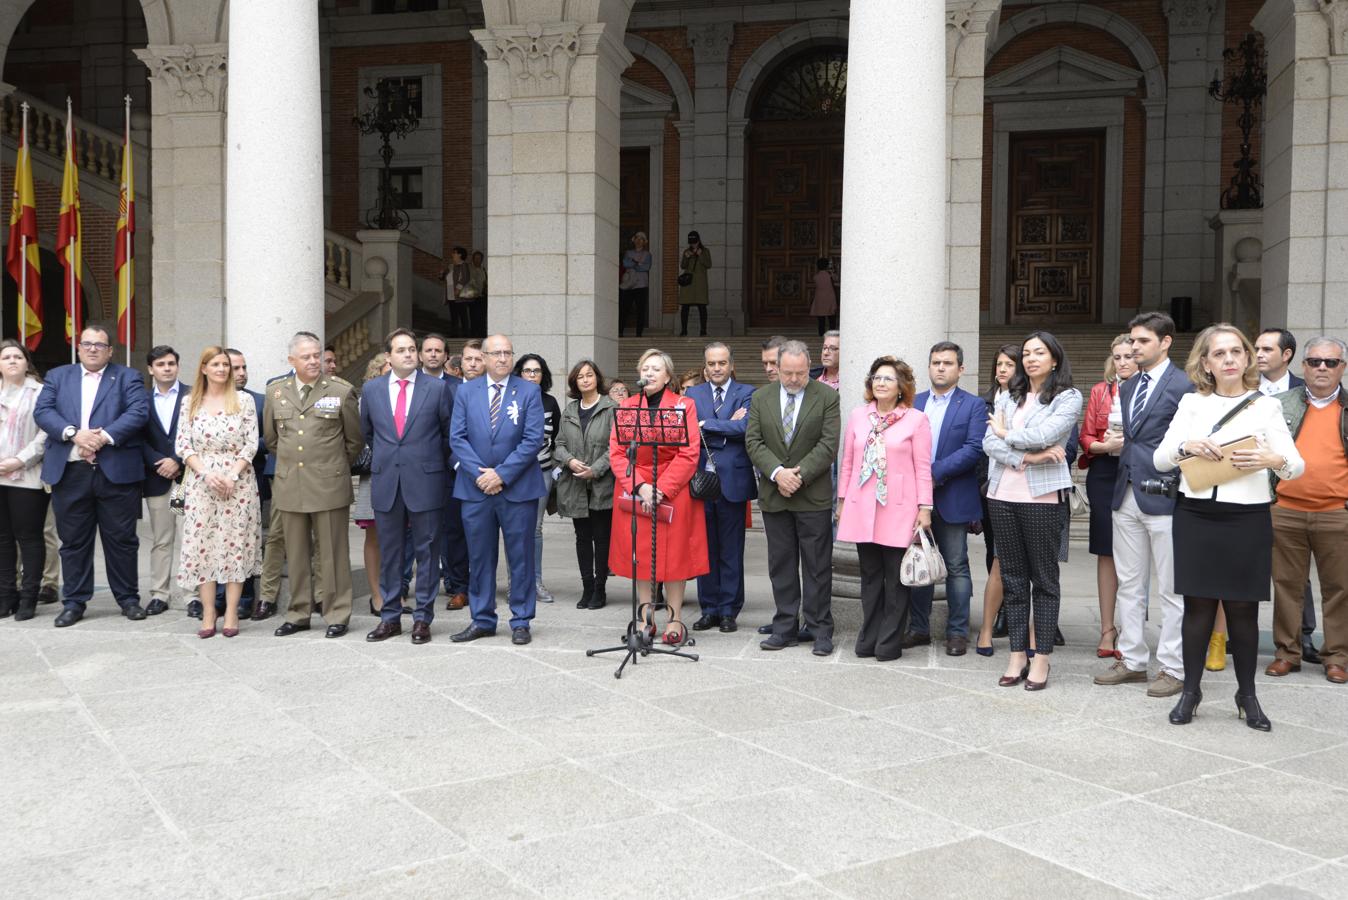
1143,505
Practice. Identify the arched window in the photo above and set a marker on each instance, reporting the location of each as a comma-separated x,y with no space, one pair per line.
810,85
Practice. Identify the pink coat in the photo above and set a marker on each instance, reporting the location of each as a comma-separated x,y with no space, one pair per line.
908,478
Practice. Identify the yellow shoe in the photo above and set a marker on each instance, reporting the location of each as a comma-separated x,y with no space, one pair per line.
1216,652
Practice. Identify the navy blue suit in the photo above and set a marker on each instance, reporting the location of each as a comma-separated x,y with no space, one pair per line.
452,546
957,502
511,448
1141,438
105,496
158,444
407,485
721,591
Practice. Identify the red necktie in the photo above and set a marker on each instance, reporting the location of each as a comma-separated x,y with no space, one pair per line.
400,409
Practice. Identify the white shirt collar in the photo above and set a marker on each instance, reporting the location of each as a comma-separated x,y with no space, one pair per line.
411,378
1270,387
1319,403
1159,369
492,381
724,387
166,394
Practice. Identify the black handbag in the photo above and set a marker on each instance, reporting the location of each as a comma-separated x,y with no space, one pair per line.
706,484
685,279
363,462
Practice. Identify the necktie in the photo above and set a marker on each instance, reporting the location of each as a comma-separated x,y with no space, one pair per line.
496,404
400,410
789,418
305,390
1140,398
720,398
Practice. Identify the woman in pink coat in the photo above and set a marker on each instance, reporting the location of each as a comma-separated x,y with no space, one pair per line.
884,498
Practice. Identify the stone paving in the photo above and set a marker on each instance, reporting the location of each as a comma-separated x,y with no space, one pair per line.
139,761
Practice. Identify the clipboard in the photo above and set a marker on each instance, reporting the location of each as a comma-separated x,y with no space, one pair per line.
1204,474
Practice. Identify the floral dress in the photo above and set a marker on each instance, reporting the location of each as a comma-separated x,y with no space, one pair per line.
221,539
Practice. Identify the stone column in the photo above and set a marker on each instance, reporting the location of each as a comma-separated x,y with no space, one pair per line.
187,189
894,198
710,43
553,114
1305,263
1187,241
274,222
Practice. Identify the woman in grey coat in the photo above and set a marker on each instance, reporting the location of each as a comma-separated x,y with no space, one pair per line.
585,486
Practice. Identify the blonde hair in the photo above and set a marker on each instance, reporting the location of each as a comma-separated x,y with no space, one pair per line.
667,361
1112,374
201,383
374,366
1203,381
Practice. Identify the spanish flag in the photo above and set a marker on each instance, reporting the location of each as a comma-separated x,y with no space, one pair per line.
68,238
21,256
123,255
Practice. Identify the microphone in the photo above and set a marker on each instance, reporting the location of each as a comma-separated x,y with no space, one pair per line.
642,382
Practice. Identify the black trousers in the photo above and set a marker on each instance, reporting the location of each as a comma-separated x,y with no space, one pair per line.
1028,540
84,500
800,565
632,309
701,316
23,513
461,319
884,601
826,322
477,317
592,538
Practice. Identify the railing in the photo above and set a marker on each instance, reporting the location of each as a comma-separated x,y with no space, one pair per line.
98,151
341,256
354,329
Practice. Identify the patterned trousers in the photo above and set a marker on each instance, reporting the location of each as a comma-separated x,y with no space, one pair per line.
1028,535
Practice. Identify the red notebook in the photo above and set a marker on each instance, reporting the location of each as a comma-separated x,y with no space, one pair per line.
664,512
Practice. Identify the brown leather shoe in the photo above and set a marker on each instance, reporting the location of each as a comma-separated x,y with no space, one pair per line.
421,632
385,630
1336,674
956,645
458,601
1280,667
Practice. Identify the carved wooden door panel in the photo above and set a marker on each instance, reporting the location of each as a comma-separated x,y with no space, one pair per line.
1054,234
795,217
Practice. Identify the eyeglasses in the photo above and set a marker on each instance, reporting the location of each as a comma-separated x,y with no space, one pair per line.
94,345
1316,362
534,371
884,379
499,354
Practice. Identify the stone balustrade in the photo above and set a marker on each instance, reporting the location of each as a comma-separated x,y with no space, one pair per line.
98,151
341,257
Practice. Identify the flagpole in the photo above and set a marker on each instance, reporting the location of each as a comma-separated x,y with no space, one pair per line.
127,267
23,243
70,269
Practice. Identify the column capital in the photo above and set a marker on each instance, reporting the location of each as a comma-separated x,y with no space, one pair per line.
1336,17
193,74
1189,16
710,41
540,56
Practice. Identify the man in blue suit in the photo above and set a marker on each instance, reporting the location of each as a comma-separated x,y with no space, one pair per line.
1142,534
958,420
495,434
162,469
723,415
94,414
405,419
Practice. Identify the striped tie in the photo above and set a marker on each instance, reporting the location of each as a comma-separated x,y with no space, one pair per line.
789,418
1140,398
720,398
496,404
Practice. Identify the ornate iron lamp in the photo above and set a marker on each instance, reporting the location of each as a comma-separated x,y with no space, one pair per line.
1246,84
393,113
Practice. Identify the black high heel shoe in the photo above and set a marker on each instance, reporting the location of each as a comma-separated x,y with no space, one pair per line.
1184,710
1248,709
999,624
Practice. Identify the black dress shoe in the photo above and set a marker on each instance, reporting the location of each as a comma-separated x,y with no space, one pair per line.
728,625
706,623
407,610
261,611
385,630
69,616
777,643
421,632
913,639
289,628
805,636
1058,639
600,598
765,629
47,595
335,631
1309,654
194,609
135,612
822,648
520,636
156,607
999,624
471,633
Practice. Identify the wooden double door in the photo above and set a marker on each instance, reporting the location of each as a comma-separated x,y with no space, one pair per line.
794,199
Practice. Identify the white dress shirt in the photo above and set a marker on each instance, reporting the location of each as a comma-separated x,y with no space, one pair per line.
1272,388
393,391
89,382
937,404
1153,379
164,406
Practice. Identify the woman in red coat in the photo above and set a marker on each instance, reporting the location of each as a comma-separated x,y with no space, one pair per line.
681,543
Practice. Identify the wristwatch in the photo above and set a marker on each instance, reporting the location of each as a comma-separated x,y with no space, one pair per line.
69,432
233,476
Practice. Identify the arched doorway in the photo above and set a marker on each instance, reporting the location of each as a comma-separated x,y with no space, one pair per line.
794,184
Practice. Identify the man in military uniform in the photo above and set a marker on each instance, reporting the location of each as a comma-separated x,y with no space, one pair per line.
312,424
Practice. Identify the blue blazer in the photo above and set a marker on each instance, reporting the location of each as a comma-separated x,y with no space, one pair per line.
726,439
959,447
416,462
452,385
1294,382
512,450
158,444
120,409
1142,437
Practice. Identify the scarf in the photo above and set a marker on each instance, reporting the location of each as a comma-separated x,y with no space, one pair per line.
874,460
16,419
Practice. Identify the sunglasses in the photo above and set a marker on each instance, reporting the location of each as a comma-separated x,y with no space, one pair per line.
1317,362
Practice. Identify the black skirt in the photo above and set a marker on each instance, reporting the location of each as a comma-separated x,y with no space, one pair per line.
1100,479
1223,550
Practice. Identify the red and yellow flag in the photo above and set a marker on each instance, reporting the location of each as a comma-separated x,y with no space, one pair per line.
68,239
21,256
123,255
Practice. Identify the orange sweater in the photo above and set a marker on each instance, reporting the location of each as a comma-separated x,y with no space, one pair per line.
1324,486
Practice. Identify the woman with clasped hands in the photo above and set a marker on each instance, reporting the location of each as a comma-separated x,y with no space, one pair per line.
1223,536
884,499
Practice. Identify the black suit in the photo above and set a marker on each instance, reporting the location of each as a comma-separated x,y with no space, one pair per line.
157,446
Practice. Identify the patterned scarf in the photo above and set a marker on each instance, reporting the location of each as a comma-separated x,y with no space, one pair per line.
874,461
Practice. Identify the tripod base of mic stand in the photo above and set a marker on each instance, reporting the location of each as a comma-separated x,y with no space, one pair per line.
640,641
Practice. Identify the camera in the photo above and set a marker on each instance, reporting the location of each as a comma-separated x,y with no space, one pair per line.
1164,486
